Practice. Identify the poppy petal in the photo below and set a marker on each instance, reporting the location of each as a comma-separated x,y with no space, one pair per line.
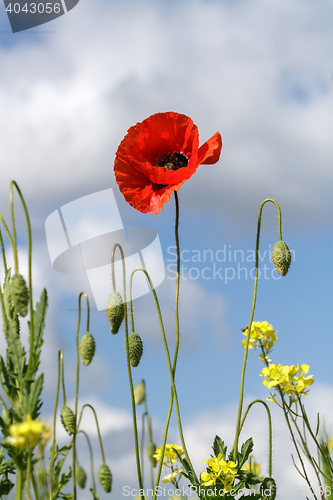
209,152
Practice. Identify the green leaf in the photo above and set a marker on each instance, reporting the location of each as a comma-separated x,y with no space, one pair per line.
16,352
244,454
34,403
39,325
219,447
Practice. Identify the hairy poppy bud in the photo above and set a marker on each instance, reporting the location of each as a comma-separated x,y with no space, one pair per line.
20,294
151,450
87,348
105,478
81,477
140,393
281,257
68,419
116,311
268,489
135,348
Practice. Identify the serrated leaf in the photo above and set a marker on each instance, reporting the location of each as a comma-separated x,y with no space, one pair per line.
39,325
219,447
245,452
16,352
35,391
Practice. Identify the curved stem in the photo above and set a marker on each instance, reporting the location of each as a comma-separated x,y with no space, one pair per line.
97,426
270,441
52,450
3,254
13,183
91,459
241,396
171,372
130,379
77,386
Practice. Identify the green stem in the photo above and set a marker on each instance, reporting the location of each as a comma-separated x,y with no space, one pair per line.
19,484
91,459
241,396
97,426
130,379
171,372
52,450
270,439
3,254
28,475
77,385
13,183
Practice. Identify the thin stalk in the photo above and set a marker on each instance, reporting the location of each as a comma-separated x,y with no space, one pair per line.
52,450
28,475
270,434
97,426
13,183
130,379
241,396
91,459
19,484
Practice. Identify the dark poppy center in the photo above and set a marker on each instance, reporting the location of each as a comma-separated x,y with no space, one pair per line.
172,162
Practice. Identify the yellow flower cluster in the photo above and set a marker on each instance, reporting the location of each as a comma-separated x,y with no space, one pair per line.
261,333
173,477
291,380
28,433
170,457
222,472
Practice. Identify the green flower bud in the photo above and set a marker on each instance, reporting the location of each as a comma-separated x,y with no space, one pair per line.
281,257
135,348
81,477
140,393
268,489
116,311
87,348
5,415
20,294
105,478
68,419
151,450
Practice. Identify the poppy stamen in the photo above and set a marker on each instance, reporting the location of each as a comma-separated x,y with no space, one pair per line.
172,162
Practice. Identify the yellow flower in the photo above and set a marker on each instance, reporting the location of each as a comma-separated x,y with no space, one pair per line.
172,476
291,380
262,333
30,432
253,466
219,470
170,457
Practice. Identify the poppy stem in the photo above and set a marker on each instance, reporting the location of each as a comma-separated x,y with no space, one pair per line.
241,396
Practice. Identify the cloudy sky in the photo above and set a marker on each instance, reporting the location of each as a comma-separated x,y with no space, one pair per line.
261,73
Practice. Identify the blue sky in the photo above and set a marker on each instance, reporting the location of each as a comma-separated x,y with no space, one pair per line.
261,73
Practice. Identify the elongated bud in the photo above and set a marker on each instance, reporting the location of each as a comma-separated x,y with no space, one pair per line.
115,311
281,257
105,478
81,477
151,450
5,415
68,419
268,489
135,348
87,348
140,393
20,294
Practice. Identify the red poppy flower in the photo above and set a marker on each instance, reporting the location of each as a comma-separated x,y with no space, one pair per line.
157,156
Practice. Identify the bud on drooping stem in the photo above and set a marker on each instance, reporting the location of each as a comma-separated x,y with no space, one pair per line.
87,348
105,478
151,450
68,419
281,257
20,294
135,348
116,311
81,477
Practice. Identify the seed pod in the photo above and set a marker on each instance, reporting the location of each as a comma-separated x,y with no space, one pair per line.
20,294
87,348
81,477
105,478
135,348
68,419
151,450
140,393
268,489
281,257
116,311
